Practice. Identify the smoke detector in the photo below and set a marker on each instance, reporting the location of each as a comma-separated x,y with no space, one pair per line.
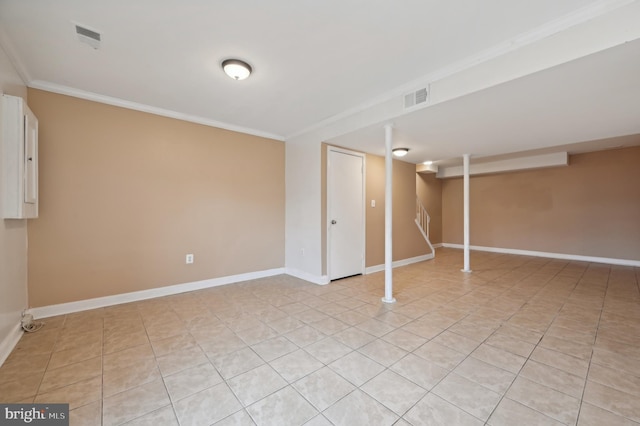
90,37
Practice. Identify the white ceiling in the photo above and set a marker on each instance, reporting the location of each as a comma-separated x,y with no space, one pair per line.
316,60
596,97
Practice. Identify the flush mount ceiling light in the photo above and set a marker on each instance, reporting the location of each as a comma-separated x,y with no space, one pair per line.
400,152
428,163
236,69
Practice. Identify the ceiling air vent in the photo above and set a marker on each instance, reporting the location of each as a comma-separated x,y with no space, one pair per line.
85,35
418,97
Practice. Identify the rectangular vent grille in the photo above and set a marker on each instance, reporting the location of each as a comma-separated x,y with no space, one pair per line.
87,36
409,100
418,97
87,33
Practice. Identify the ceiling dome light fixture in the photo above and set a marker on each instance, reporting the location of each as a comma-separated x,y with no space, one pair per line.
236,69
400,152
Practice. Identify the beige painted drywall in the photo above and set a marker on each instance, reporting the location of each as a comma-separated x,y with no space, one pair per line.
407,239
590,208
429,190
13,232
125,195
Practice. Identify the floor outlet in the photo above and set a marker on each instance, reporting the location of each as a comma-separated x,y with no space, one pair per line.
27,320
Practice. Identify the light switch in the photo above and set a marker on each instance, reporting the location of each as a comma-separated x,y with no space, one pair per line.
373,203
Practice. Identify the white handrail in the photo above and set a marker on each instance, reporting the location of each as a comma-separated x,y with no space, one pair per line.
422,217
423,220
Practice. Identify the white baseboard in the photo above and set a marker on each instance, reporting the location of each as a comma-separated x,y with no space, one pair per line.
316,279
607,260
435,246
397,263
9,342
100,302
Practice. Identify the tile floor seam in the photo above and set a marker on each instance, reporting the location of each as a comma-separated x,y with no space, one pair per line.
474,299
441,380
102,377
407,410
538,345
155,358
524,405
166,389
586,379
613,412
47,365
504,395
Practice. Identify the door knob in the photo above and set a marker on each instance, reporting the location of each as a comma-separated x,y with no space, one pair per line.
333,222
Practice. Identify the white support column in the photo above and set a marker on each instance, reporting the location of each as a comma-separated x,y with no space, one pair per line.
465,167
388,216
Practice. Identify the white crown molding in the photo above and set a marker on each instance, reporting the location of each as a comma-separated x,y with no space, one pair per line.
9,342
95,97
548,29
101,302
563,256
398,263
582,15
8,48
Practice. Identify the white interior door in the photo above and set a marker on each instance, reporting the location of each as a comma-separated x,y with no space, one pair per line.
345,193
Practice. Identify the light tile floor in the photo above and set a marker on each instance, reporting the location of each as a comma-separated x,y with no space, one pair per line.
521,340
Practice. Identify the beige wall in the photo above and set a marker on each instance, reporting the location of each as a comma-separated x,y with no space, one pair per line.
590,208
429,190
13,235
125,195
407,239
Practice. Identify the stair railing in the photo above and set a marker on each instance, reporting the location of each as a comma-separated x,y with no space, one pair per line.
423,221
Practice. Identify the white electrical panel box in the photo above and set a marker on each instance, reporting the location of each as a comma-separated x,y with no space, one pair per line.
19,134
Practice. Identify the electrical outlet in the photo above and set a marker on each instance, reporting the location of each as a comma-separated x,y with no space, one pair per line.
189,259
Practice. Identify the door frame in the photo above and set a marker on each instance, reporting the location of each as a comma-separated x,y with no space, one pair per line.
329,200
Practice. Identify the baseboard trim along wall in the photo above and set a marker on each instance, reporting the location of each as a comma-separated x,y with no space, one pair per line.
608,260
101,302
316,279
398,263
9,342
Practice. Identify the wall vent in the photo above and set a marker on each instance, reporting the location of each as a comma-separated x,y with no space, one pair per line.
417,97
90,37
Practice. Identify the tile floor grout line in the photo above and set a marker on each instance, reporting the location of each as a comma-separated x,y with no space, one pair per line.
44,372
472,298
504,395
102,355
586,379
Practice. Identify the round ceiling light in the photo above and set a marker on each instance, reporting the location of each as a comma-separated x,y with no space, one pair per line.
236,69
400,152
